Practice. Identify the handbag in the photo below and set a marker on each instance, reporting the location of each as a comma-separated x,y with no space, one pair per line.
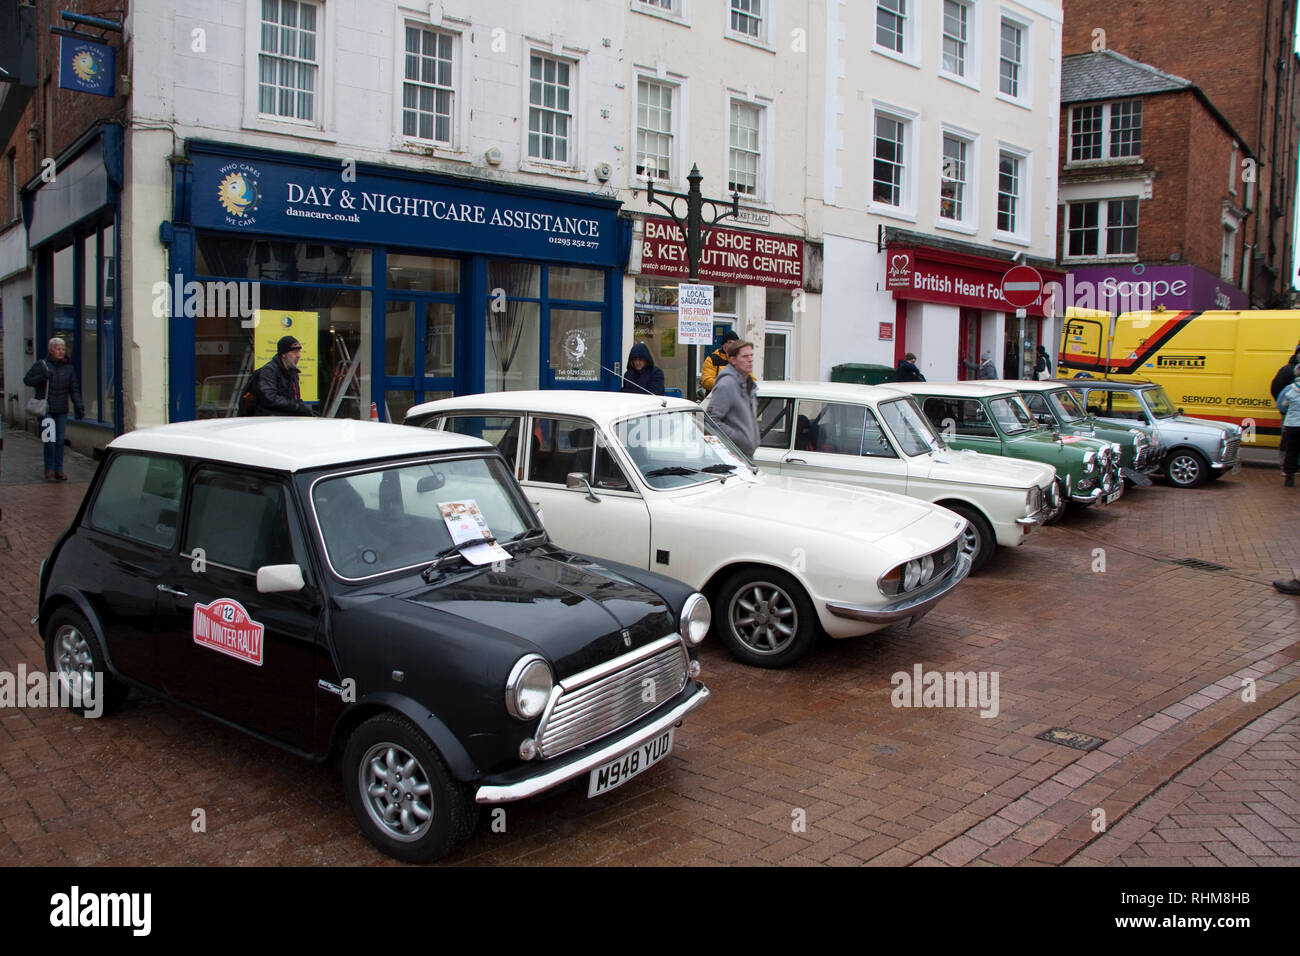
1044,375
40,407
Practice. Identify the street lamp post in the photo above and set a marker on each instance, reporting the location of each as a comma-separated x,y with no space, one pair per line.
695,230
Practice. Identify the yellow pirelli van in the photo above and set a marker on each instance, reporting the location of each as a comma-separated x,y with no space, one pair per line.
1216,365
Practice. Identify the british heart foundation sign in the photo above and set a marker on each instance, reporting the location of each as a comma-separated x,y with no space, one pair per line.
224,626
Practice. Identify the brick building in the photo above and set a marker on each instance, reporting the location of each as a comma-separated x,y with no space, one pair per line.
1240,54
1150,189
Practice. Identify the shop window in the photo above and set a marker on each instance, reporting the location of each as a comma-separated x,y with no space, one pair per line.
412,273
655,325
428,87
288,61
234,257
550,109
87,358
570,282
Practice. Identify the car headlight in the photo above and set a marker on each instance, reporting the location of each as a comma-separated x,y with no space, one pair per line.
1033,500
529,687
696,618
1089,460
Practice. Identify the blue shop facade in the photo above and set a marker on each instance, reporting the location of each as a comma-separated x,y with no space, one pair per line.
402,286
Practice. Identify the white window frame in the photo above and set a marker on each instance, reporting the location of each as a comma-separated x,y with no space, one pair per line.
786,329
321,125
764,39
457,149
1025,96
573,167
911,52
1234,168
678,11
762,195
1103,218
906,209
1020,236
970,75
1231,236
970,217
1105,157
678,131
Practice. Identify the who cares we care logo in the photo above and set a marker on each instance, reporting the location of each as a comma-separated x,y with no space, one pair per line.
239,192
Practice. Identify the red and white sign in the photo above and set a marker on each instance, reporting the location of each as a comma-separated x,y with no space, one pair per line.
225,626
1021,286
899,271
728,257
927,274
886,331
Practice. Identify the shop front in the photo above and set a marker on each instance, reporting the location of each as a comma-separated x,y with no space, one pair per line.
758,292
950,311
1142,288
403,287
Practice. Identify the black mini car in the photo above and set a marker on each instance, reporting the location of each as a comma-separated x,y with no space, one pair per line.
378,592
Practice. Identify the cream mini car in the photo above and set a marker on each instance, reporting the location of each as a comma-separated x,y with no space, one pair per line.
878,437
652,482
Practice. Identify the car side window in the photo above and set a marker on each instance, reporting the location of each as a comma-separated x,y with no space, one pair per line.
609,474
774,418
560,446
499,430
238,519
1038,407
839,428
964,417
1125,405
140,498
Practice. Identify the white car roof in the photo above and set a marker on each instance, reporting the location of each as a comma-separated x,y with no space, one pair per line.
981,389
292,444
831,391
1038,385
598,406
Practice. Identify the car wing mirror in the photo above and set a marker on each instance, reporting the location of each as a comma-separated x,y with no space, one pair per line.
537,507
431,482
278,578
577,480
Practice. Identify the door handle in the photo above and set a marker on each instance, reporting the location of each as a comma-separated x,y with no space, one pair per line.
172,591
793,461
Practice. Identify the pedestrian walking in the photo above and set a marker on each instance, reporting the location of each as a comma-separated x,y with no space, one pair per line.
55,381
1288,403
274,386
734,402
1284,377
907,370
642,376
1042,365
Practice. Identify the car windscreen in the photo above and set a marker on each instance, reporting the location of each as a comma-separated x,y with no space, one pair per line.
1011,414
912,430
1068,405
679,448
1159,403
386,519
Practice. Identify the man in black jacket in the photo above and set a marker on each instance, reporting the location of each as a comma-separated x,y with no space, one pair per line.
276,385
55,380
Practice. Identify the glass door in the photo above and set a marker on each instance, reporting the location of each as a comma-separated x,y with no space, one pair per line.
574,348
419,352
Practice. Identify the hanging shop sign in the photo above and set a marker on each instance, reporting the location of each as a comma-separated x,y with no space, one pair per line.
260,193
728,256
86,66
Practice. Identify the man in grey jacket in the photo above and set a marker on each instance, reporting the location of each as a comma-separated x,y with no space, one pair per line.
733,404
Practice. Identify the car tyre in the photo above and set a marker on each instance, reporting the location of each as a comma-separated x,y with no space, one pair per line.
1187,468
401,793
764,617
1062,502
978,540
74,653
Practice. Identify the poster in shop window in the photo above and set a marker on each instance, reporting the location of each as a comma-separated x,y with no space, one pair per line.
694,314
272,325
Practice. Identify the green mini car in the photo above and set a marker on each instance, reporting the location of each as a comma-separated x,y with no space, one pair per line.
1058,405
992,418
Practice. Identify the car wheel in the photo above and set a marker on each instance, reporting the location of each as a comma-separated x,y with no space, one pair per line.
977,541
1186,468
73,653
1062,502
401,793
764,617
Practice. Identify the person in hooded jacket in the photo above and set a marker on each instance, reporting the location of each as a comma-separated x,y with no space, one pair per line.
55,380
642,375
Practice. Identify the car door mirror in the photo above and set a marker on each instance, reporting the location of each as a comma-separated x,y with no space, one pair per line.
537,507
579,480
277,578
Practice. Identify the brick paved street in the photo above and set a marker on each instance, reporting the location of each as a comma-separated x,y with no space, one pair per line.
1148,654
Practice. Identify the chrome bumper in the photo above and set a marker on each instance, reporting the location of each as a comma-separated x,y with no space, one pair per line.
557,775
1031,520
914,607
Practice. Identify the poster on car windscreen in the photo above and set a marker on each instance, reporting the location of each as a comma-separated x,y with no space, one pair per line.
468,527
271,326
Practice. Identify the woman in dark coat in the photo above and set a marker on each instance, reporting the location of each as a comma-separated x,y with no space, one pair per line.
642,375
55,380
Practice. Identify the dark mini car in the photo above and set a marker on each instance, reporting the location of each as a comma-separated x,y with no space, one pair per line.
381,594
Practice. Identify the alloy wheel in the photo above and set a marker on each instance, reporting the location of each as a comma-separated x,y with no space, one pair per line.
764,617
75,664
397,794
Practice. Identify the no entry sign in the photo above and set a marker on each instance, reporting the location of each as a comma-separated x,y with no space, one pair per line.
1021,286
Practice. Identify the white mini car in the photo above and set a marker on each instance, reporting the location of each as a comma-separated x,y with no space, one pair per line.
876,436
653,483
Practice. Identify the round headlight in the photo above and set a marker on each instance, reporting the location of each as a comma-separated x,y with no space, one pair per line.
911,575
1089,460
528,687
696,618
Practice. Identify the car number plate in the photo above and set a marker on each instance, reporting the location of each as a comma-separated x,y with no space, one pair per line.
1113,497
626,766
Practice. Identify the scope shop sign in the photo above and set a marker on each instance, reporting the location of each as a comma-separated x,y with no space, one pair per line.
694,314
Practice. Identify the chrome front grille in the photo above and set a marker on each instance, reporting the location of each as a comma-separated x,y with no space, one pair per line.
599,701
1230,456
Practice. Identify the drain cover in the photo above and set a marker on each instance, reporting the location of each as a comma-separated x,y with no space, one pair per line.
1071,738
885,749
1200,565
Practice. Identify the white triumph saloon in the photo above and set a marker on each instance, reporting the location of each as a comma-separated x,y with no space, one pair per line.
652,482
876,436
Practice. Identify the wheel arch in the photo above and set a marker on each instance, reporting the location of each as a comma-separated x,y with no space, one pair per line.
449,747
710,587
58,599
